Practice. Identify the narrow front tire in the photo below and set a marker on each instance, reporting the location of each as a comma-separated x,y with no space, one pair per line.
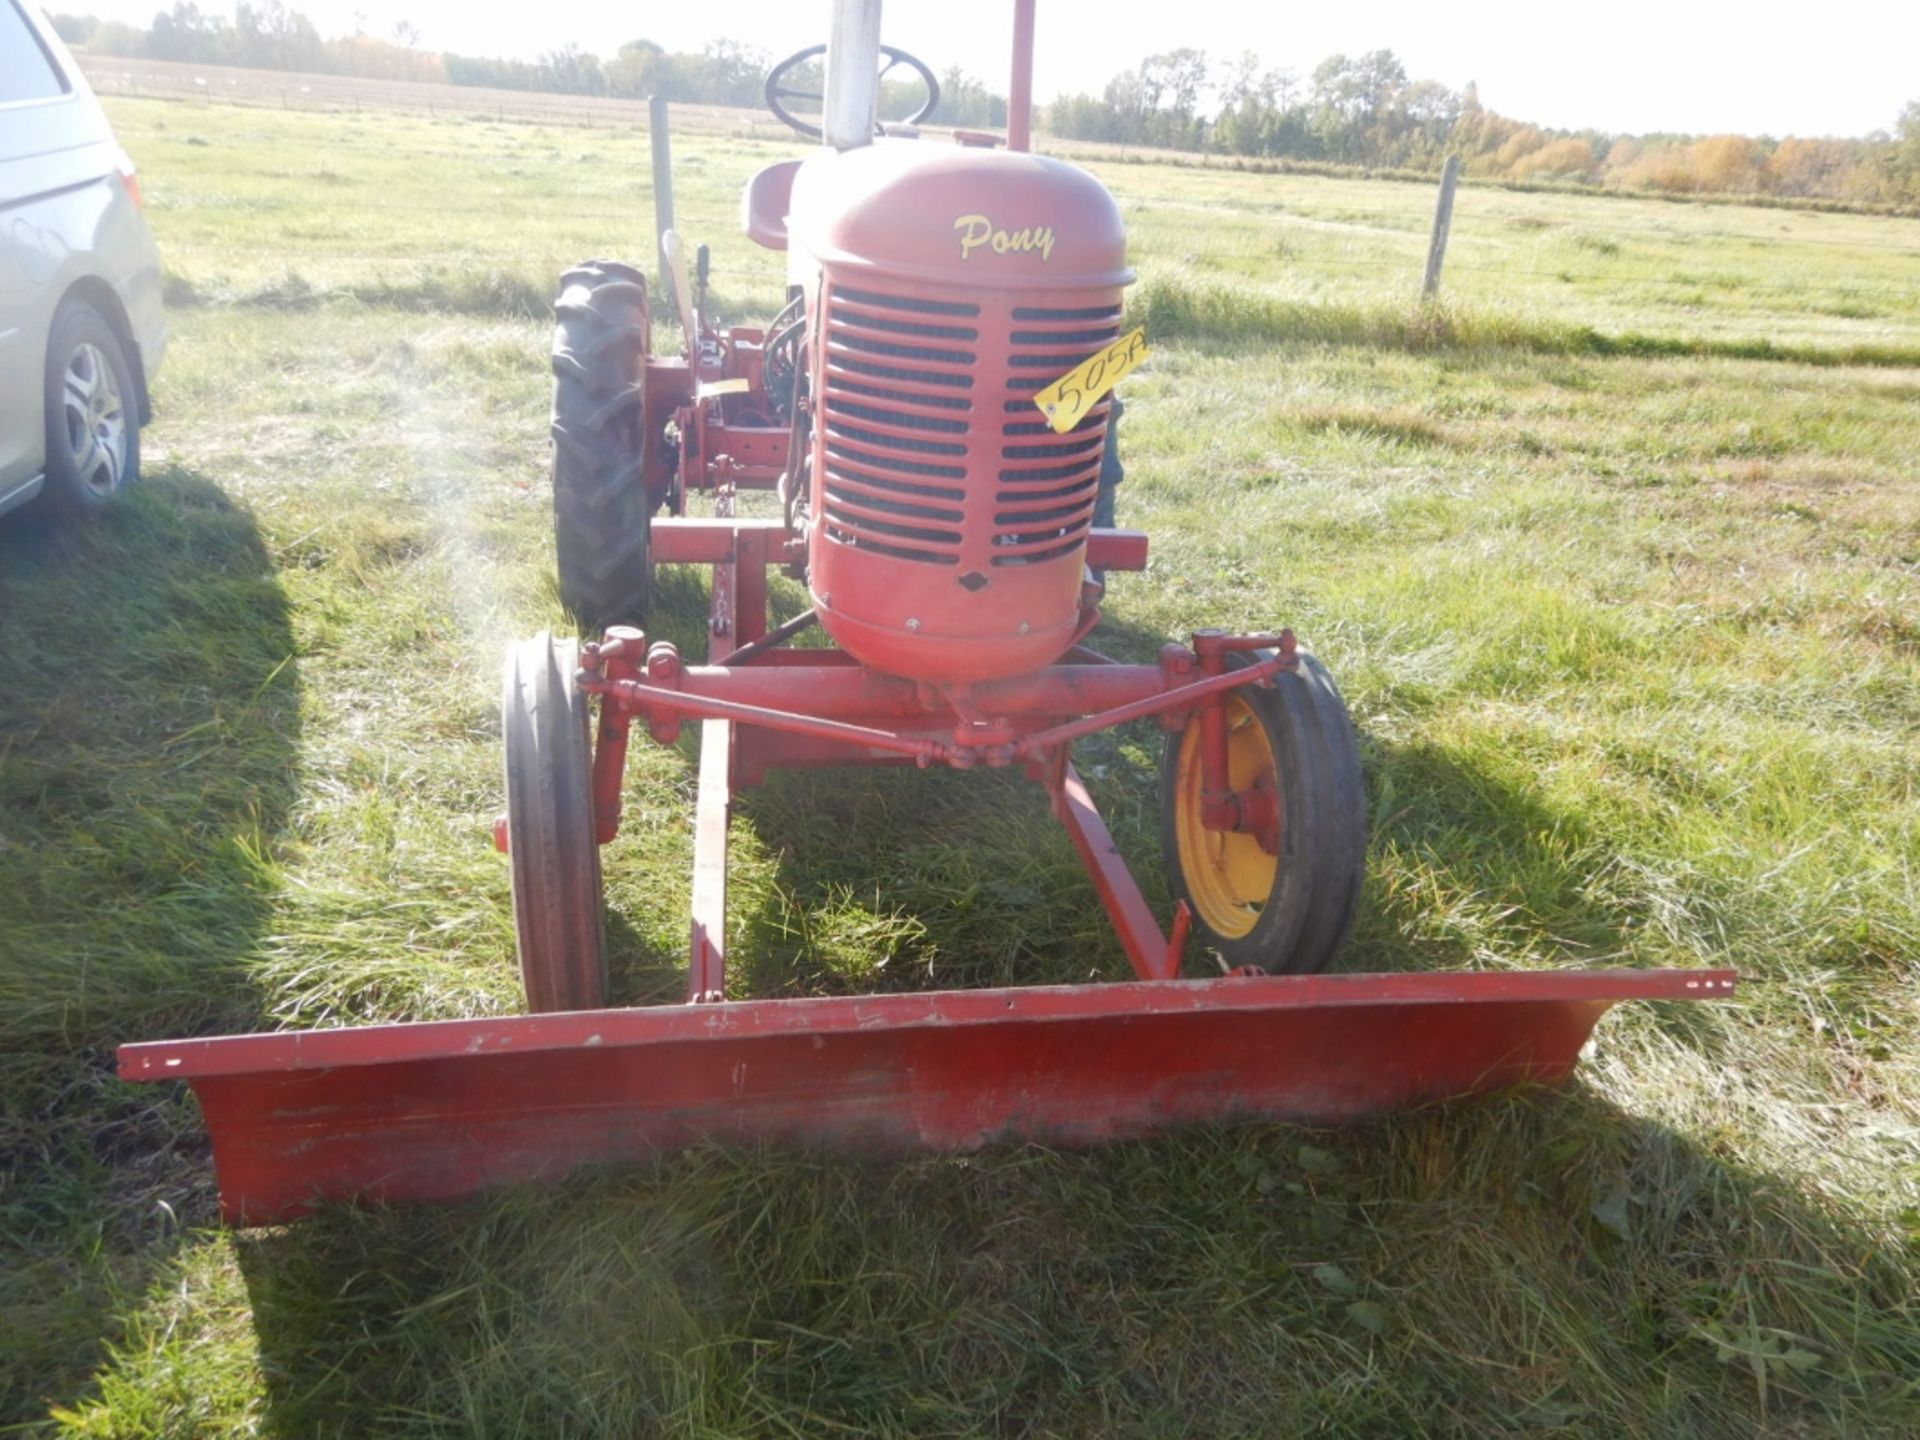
1288,908
558,913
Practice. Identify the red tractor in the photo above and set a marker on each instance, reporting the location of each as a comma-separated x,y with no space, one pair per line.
937,494
931,408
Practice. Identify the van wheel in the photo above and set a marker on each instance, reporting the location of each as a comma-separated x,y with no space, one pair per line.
93,423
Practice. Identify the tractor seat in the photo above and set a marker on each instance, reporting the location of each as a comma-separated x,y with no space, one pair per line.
763,208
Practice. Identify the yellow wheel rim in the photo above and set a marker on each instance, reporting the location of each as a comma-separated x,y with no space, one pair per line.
1229,877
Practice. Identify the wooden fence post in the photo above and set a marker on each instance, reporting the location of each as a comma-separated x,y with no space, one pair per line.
1442,222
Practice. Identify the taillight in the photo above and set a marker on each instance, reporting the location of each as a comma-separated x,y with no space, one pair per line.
130,178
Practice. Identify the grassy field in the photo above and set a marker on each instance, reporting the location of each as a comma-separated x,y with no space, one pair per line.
1632,639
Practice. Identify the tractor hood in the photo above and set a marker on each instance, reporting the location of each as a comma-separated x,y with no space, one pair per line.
973,218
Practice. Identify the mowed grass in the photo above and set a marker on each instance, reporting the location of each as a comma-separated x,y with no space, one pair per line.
475,212
1633,644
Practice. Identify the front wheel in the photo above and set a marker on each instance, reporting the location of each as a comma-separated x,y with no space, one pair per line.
558,918
1283,902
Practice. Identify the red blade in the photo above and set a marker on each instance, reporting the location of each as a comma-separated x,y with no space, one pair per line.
441,1110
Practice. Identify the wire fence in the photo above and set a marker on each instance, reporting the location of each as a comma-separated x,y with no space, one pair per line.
316,248
1273,243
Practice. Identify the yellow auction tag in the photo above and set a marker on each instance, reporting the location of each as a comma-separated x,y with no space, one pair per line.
738,385
1066,401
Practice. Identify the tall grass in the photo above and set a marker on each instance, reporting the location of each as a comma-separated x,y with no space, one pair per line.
1169,307
1175,309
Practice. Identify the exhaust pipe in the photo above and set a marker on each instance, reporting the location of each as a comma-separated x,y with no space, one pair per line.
853,74
1020,86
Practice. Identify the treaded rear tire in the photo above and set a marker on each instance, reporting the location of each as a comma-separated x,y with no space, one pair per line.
600,503
558,916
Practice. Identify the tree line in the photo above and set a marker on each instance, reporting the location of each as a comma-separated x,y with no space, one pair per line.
1360,110
272,35
1364,110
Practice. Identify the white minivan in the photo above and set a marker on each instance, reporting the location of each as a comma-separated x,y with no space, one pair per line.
81,325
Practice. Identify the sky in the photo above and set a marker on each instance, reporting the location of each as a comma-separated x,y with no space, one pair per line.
1844,67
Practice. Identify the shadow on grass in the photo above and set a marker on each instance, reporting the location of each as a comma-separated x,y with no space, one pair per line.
149,733
641,972
906,880
1480,866
1529,1260
890,878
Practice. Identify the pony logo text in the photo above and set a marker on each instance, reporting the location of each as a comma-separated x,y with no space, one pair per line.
977,230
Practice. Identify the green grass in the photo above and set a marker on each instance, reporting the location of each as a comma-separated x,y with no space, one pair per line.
273,205
1632,635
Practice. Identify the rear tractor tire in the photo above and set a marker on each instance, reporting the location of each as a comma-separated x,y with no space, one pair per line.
1287,912
558,918
601,508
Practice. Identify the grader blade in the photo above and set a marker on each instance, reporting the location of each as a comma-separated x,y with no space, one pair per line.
439,1111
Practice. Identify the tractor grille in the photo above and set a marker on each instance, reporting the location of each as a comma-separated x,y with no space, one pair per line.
895,417
899,440
1043,506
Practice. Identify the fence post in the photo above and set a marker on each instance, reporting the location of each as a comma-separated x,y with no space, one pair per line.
662,183
1442,222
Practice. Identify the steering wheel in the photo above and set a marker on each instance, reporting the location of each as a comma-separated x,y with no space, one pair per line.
776,91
